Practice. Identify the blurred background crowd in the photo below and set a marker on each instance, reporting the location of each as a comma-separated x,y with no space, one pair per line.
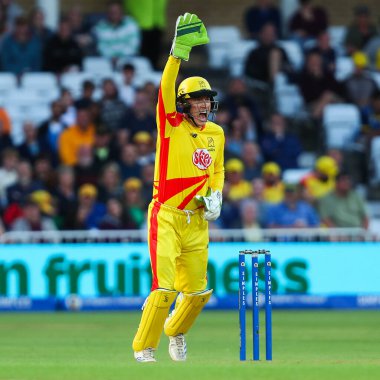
299,103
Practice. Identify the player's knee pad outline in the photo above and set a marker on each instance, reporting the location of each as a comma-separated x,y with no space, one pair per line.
155,312
188,307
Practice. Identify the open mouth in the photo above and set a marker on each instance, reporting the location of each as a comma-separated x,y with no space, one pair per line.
203,115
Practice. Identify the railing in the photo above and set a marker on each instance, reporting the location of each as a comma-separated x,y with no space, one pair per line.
259,235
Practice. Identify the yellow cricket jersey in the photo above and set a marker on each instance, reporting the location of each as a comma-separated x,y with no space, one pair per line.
239,191
317,188
189,160
274,194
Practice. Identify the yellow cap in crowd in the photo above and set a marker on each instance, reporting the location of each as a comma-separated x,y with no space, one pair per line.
327,165
44,201
234,165
132,183
142,137
271,168
88,190
360,59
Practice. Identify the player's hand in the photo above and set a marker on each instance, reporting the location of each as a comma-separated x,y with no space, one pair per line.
189,32
212,203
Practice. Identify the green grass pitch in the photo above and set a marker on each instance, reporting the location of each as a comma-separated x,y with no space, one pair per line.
90,346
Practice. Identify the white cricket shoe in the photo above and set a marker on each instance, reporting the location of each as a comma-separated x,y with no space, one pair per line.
145,356
177,348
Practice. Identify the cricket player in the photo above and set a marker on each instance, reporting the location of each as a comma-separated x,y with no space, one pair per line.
188,183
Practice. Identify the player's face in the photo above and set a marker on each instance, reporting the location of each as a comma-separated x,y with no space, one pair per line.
200,109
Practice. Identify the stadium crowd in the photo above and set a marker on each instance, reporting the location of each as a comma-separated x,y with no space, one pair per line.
90,163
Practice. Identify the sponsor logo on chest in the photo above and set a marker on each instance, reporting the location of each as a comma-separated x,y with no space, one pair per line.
202,159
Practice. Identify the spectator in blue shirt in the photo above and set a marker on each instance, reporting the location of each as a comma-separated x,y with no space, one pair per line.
370,116
89,211
292,212
280,146
20,51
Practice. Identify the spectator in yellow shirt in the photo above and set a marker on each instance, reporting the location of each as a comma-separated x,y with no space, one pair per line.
321,181
82,133
237,188
273,191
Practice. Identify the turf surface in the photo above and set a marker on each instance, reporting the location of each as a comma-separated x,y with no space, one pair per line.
83,346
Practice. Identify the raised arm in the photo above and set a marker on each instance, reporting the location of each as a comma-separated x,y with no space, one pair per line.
189,32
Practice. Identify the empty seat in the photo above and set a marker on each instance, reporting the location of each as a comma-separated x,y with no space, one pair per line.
337,34
375,160
238,54
344,68
39,114
97,66
73,82
38,80
45,84
17,132
26,109
289,101
294,53
222,38
306,160
8,82
280,81
294,176
22,97
376,77
141,64
340,122
154,77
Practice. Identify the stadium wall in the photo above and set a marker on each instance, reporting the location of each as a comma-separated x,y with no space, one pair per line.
117,276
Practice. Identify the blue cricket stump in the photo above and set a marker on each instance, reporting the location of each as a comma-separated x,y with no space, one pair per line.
268,305
255,304
242,305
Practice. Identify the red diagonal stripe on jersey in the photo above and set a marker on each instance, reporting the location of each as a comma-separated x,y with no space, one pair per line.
176,185
174,118
191,195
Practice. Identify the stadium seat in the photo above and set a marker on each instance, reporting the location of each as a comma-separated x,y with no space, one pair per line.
8,82
376,77
142,64
45,84
280,81
22,97
22,112
154,77
97,66
294,176
337,34
306,160
26,104
222,39
294,53
375,159
73,81
238,55
340,122
289,101
344,68
39,114
17,133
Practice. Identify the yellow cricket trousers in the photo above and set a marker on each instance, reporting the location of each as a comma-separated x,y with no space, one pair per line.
178,247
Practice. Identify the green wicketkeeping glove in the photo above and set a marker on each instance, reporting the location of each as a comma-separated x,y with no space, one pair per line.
189,32
212,202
